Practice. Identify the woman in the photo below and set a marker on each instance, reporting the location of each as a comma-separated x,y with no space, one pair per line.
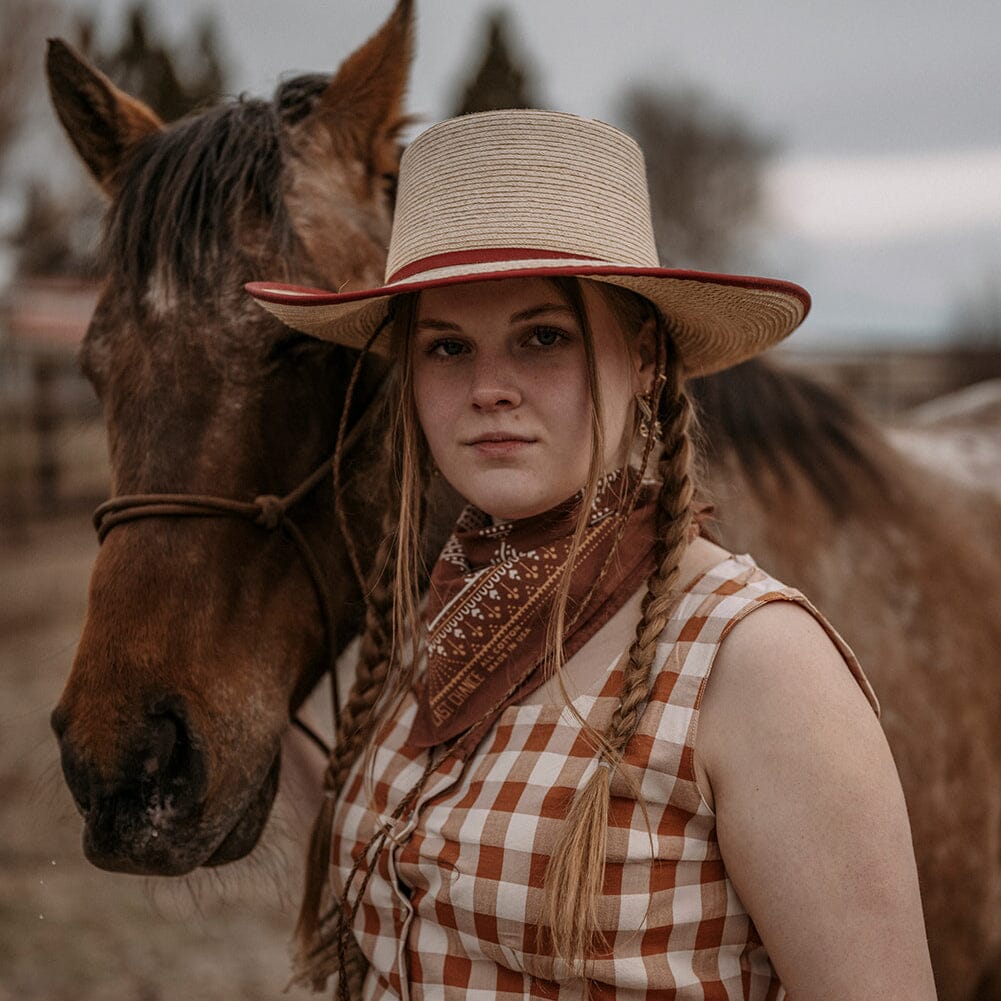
606,757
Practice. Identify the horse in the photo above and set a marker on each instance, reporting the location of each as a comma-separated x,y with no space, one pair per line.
904,562
204,633
959,433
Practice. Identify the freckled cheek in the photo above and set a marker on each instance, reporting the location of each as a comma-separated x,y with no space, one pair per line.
557,391
439,404
566,406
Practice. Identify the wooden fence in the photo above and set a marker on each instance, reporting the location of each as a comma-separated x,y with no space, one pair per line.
52,454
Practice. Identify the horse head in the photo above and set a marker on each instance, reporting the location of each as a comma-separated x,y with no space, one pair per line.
202,633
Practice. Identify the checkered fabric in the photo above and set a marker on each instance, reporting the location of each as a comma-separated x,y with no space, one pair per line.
452,908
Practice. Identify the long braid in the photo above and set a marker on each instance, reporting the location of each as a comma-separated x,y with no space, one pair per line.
317,931
575,875
674,518
326,944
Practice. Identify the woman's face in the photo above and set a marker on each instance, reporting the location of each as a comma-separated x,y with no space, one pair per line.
500,382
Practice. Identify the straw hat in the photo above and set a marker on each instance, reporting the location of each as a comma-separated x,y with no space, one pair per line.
539,193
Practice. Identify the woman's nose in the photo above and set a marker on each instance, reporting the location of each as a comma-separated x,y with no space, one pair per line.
494,387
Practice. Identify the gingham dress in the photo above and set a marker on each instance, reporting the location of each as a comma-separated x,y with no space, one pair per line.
452,908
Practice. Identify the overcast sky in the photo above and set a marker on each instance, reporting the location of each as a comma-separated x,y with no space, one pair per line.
886,191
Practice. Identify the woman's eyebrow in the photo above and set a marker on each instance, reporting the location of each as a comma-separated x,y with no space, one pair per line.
430,323
549,307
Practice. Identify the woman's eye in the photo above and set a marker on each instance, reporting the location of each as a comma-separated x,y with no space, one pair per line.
547,337
446,348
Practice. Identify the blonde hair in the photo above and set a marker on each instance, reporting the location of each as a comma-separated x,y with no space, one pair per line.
575,875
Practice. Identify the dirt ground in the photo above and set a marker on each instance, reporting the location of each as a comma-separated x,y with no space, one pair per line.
68,930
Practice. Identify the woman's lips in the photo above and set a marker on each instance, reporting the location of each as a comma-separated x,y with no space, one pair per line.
500,444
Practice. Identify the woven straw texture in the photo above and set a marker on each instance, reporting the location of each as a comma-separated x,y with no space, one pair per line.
542,194
539,179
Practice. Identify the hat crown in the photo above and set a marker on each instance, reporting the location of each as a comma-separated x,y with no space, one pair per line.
522,179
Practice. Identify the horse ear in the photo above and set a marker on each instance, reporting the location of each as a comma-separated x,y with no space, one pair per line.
104,123
363,104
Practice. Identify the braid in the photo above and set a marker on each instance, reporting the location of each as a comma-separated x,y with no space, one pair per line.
325,942
674,515
374,656
317,928
575,875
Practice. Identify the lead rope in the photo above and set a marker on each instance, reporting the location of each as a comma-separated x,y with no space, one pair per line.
268,512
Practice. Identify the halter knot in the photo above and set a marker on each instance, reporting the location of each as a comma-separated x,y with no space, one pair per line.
271,509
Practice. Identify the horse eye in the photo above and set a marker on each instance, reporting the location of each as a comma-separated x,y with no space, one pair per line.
91,360
389,182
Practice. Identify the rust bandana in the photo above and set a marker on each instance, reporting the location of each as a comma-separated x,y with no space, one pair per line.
492,595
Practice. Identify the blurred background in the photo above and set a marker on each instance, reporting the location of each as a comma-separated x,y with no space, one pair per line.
854,148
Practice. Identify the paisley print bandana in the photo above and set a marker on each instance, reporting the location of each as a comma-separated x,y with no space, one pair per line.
492,595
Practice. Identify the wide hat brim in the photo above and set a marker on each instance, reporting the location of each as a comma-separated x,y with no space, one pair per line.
716,320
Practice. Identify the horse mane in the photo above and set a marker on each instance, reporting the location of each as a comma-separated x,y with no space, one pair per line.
780,426
189,192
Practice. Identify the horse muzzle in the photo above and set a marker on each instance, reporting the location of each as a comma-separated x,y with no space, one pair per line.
146,811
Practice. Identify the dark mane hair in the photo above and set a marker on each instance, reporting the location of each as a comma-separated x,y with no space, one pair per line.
188,191
777,423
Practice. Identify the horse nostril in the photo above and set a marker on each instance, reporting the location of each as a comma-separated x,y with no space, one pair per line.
138,773
166,733
173,766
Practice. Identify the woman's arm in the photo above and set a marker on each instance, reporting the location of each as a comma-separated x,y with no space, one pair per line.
810,814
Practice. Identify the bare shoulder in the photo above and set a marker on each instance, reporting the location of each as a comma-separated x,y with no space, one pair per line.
782,644
777,675
810,817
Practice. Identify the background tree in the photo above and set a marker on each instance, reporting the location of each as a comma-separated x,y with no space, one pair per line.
57,232
705,166
59,223
172,79
706,174
500,79
23,24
